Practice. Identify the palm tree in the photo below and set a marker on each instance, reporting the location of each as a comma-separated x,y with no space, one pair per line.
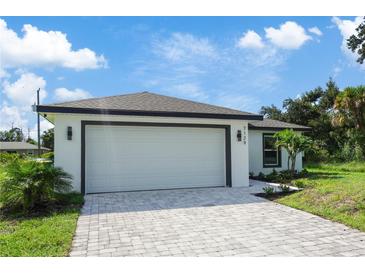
293,143
28,183
350,108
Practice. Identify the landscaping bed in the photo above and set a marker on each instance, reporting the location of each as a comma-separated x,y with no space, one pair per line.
274,196
333,191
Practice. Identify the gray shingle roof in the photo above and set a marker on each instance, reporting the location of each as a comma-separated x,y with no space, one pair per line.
275,124
146,102
18,146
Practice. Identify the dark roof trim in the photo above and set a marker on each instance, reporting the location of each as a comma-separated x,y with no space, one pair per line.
278,128
58,109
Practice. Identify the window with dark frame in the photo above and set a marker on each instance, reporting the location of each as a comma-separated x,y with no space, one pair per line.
271,154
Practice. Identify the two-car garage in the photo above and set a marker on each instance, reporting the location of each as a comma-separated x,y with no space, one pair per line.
148,141
127,157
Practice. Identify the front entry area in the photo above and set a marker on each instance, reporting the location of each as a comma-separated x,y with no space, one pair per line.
124,157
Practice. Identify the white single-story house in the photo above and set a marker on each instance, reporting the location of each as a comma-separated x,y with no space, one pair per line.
145,141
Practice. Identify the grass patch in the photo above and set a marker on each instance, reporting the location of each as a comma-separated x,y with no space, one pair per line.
339,167
333,191
45,232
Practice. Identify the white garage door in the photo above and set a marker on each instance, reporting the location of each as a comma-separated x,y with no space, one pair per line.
125,158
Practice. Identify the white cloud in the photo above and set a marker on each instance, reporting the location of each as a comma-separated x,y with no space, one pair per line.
64,94
182,46
20,96
316,31
270,57
22,92
189,90
336,71
43,48
43,125
238,101
347,28
3,73
250,39
11,116
220,80
289,35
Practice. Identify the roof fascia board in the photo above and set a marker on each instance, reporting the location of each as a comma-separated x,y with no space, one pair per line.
58,109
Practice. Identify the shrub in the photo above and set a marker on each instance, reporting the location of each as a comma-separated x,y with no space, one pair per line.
316,155
286,175
251,174
28,184
261,176
48,155
284,188
269,190
299,184
273,176
304,173
8,157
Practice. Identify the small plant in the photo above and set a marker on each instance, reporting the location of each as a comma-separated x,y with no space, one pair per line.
261,176
269,190
28,184
304,173
251,174
284,188
286,175
299,184
274,172
48,155
273,176
8,157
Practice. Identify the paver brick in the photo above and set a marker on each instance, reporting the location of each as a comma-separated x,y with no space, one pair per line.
206,222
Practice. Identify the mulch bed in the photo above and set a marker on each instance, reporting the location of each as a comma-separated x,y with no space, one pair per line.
274,196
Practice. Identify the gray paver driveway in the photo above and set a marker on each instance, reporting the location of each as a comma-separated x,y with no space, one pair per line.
206,222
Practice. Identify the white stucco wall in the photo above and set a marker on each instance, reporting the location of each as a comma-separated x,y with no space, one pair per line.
256,154
68,153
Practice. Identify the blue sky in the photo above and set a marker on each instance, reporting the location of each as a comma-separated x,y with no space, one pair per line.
238,62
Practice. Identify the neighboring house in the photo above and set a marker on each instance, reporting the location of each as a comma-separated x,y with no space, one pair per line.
146,141
21,148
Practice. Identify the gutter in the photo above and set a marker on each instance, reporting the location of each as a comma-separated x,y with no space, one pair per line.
59,109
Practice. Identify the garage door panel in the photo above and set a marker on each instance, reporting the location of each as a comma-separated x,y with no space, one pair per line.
155,170
140,183
123,158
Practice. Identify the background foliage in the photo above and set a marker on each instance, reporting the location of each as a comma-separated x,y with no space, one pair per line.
332,116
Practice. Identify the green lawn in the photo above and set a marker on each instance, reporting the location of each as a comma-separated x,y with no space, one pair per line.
47,234
333,191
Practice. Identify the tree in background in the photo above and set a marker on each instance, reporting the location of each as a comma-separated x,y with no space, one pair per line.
350,111
356,42
303,109
313,108
31,141
48,138
293,143
13,135
272,112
